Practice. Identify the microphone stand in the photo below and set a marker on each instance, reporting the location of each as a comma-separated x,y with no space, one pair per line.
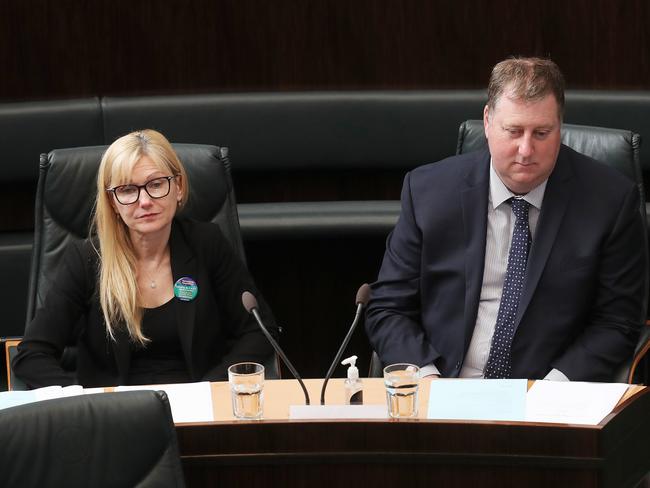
250,304
281,354
362,300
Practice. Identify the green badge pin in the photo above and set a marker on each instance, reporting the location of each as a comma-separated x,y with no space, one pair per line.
186,289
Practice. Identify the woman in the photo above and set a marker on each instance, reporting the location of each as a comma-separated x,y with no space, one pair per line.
154,298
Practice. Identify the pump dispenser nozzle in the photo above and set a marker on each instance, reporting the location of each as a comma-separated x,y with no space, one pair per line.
353,371
353,386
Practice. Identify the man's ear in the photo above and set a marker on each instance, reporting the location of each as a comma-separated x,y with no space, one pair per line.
486,120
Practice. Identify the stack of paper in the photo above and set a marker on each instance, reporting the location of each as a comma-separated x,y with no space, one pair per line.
572,402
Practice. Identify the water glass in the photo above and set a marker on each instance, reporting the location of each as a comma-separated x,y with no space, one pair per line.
246,390
402,382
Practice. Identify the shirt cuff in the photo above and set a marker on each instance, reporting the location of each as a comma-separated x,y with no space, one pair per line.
556,375
429,369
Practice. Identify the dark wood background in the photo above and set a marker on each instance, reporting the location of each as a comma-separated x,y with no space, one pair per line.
71,48
51,49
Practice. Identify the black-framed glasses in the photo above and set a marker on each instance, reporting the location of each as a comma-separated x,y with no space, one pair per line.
155,188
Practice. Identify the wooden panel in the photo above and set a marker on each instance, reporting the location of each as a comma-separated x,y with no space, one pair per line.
280,452
10,346
54,49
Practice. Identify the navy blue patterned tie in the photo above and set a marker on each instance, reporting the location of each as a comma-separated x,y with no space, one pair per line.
498,363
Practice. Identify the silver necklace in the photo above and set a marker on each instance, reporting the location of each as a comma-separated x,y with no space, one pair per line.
152,282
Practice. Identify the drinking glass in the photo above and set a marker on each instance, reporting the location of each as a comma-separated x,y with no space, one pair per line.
402,382
246,390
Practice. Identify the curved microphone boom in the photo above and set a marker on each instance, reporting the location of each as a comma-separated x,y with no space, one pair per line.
363,295
250,304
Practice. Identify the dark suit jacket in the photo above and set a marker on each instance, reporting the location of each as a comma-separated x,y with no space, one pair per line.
215,331
583,299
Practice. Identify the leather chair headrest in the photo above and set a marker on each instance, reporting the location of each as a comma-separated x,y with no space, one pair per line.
69,191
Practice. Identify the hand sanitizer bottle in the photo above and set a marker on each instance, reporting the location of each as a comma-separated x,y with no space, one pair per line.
353,385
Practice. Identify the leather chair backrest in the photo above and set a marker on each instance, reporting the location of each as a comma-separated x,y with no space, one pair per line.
614,147
31,128
122,439
66,195
340,130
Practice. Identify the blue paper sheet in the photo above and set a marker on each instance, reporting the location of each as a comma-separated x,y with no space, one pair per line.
469,399
14,398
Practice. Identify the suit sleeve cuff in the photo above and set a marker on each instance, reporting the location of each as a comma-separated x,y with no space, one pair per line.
429,369
556,375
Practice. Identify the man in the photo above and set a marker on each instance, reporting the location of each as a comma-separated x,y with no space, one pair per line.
524,261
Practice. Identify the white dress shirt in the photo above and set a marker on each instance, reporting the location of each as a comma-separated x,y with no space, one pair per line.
500,224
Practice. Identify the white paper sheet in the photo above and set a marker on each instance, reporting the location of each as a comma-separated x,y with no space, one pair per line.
92,391
572,402
51,392
338,412
190,402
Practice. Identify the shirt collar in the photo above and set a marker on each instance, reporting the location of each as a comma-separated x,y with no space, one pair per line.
499,192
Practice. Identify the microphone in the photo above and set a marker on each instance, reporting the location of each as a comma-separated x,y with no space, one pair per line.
363,295
250,304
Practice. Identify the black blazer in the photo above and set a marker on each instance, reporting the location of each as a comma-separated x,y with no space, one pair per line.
215,331
582,304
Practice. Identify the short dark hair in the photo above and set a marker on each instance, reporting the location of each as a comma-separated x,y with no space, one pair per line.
527,79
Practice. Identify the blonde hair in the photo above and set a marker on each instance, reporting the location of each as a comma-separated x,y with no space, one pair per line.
119,295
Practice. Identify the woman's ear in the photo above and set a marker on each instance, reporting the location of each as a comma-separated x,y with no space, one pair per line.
180,188
111,199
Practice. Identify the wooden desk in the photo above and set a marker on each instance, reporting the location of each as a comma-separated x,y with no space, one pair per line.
279,452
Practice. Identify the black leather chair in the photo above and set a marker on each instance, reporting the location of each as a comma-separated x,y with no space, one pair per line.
614,147
618,148
64,203
122,439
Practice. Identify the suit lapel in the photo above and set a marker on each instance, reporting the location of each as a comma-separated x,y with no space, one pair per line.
184,264
556,199
474,201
